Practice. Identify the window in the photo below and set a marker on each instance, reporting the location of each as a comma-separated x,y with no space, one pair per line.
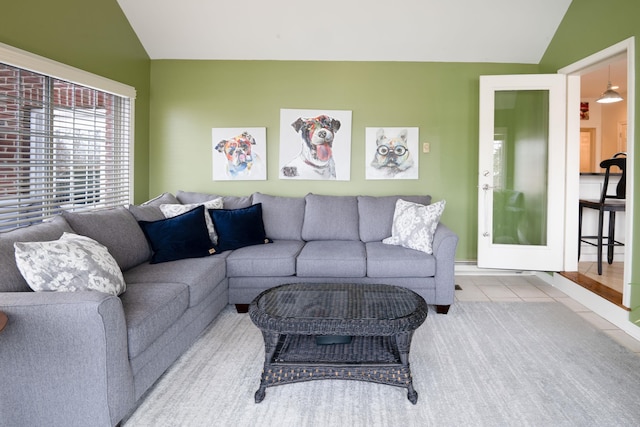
63,144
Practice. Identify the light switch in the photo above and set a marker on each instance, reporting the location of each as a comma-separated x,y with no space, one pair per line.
425,147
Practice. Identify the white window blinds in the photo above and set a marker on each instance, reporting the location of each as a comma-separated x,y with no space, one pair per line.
62,146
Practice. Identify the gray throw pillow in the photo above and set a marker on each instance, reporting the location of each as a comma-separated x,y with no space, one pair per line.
71,263
414,225
11,280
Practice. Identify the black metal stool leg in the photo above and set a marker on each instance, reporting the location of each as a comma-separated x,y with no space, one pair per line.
611,238
600,227
579,231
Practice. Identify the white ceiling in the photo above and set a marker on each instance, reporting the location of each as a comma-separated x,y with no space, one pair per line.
517,31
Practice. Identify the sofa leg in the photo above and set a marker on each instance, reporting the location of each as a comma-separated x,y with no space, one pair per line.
242,308
442,309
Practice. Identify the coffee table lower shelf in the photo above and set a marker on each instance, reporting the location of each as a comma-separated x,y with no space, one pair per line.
297,358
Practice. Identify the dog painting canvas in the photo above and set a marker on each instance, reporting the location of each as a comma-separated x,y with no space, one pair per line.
315,144
239,154
391,153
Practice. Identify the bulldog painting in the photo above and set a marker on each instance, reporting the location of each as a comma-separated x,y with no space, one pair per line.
315,160
392,155
240,159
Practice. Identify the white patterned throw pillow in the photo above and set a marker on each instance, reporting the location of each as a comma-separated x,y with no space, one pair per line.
71,263
414,225
171,210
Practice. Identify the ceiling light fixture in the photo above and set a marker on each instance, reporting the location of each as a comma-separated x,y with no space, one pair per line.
609,96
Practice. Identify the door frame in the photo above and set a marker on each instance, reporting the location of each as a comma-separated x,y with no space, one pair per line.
573,71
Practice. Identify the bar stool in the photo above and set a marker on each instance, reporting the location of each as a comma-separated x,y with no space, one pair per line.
610,203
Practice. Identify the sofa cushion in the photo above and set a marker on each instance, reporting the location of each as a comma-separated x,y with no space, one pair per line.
146,212
161,199
238,228
376,215
414,225
68,264
11,279
115,228
332,258
395,261
230,202
150,210
201,275
183,236
330,218
282,216
276,259
175,209
150,309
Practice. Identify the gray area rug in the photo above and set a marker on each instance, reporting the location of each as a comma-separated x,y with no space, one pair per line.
483,364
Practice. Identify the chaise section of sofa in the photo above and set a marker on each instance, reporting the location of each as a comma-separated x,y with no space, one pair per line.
85,358
63,356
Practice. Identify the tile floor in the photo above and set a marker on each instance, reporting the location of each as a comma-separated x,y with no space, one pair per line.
529,288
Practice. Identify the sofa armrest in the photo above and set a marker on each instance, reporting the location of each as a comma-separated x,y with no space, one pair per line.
63,359
445,242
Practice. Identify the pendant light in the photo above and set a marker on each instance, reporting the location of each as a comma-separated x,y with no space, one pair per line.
609,96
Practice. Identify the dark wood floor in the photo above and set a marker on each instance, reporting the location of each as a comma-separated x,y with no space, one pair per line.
596,287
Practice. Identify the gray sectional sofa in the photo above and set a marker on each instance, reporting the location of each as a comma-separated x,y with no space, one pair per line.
86,358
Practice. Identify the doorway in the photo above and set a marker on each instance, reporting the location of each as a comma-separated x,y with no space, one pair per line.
600,137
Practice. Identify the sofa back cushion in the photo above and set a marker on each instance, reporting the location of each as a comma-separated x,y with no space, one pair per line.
229,202
282,216
115,228
150,210
330,218
161,199
11,279
376,215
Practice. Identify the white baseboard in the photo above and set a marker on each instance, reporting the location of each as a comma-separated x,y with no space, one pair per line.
471,268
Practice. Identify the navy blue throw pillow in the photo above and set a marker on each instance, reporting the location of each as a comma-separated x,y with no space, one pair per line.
183,236
238,228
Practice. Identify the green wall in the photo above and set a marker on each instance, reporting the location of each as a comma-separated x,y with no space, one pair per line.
94,36
178,102
589,27
189,98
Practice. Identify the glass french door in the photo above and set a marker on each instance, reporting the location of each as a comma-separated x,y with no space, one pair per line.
521,184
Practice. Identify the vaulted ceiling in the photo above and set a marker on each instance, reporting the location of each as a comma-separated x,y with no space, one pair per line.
502,31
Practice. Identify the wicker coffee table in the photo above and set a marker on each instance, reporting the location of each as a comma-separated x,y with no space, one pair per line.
369,327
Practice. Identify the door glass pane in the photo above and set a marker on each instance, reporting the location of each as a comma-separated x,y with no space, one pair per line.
520,151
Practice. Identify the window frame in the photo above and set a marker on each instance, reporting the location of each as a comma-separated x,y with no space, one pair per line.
18,58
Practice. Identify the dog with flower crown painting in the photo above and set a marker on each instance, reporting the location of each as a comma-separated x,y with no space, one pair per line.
315,160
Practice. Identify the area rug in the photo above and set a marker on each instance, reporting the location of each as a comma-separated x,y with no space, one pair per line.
483,364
